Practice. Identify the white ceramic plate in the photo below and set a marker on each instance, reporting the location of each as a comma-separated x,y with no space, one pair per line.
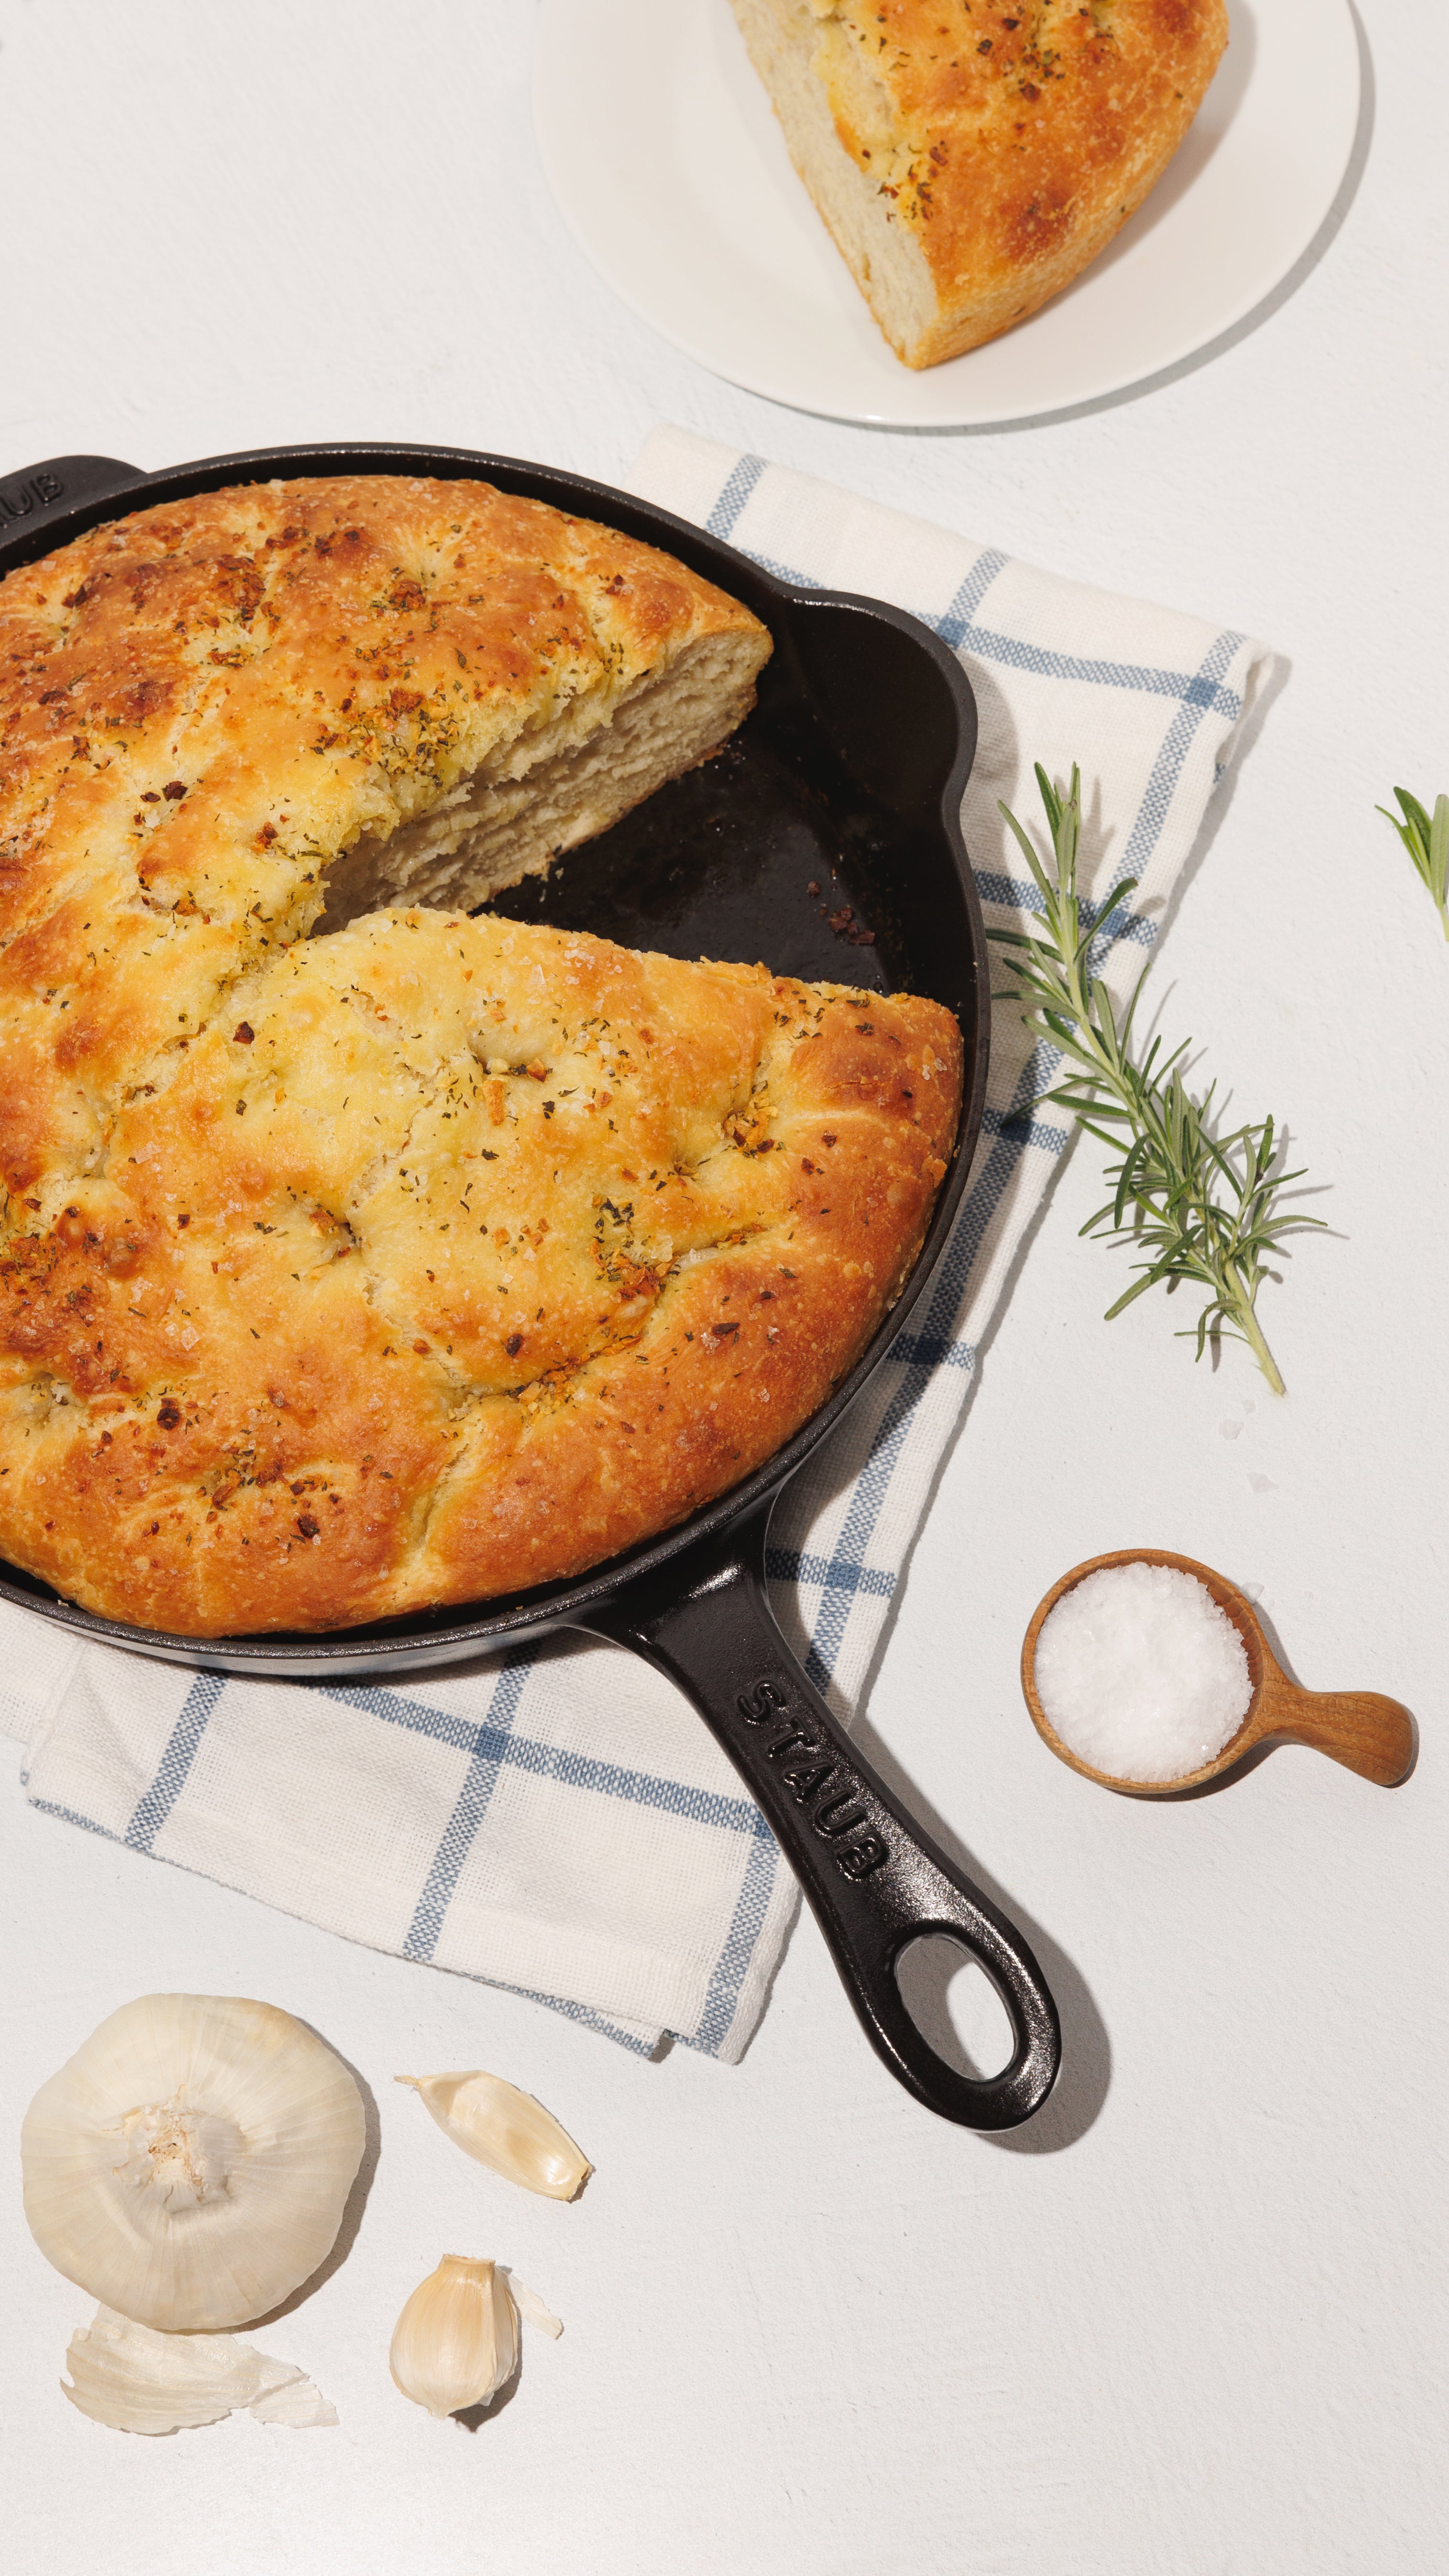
664,154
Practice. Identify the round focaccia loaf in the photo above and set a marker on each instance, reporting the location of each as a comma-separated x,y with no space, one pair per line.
971,159
421,1259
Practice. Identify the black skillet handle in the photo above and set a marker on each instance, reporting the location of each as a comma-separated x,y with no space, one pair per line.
873,1880
35,493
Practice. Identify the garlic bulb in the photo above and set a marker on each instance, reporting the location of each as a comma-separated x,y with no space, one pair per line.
139,2381
499,2126
189,2166
456,2342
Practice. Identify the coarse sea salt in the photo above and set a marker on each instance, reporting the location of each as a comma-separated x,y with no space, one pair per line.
1140,1672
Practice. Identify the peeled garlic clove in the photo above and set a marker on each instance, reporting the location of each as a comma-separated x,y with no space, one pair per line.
499,2126
456,2342
139,2381
190,2165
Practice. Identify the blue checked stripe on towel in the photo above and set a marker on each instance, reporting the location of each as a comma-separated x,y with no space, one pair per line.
556,1819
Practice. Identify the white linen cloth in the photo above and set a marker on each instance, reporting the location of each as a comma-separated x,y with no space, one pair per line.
557,1819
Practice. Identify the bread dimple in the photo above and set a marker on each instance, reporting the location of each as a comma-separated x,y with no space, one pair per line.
432,1257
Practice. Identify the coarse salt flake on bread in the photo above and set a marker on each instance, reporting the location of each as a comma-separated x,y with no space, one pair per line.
356,1256
971,159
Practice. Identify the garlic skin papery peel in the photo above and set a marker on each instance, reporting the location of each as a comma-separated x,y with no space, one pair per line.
456,2342
139,2381
190,2165
499,2126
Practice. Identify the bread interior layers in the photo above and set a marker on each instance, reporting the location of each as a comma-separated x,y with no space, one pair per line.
806,59
543,792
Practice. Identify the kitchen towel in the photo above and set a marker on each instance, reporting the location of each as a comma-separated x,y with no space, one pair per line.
556,1818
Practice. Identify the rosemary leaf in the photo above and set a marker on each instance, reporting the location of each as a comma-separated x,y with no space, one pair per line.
1426,838
1196,1206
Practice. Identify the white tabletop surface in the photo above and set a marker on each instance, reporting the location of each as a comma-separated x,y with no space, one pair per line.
1192,2321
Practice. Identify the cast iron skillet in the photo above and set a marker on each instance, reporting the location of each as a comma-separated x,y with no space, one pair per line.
847,778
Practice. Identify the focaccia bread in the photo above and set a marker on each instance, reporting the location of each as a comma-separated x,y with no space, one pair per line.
448,1257
970,160
421,1259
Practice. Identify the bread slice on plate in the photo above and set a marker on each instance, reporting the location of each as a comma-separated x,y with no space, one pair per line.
350,1270
971,159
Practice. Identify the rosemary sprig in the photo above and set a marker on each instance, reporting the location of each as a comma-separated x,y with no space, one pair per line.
1202,1207
1426,838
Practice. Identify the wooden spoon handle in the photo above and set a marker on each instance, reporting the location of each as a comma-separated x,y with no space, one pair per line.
1366,1732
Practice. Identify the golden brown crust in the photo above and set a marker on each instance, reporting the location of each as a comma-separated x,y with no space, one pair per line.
434,1257
1013,142
207,702
201,704
409,1329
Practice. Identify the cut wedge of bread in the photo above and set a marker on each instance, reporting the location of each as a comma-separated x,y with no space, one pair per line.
970,161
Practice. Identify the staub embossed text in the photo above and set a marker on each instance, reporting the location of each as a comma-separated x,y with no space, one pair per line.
816,1777
17,500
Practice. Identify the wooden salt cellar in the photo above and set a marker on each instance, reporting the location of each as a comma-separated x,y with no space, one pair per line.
1366,1732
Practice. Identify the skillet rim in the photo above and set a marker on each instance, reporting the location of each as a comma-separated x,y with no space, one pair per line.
423,1640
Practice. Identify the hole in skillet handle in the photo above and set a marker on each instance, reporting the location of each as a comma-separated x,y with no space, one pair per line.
955,2006
875,1883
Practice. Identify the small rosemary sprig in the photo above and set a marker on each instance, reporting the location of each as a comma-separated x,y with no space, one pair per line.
1426,838
1202,1207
